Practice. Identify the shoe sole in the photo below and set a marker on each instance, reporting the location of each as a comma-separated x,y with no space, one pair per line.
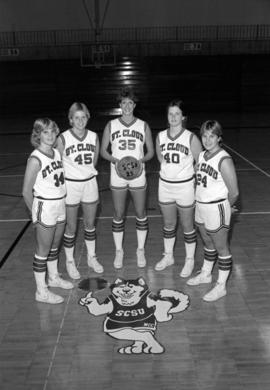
161,269
213,300
197,284
118,266
47,301
183,275
141,265
100,271
58,286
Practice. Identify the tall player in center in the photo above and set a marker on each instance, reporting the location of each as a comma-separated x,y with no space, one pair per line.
128,136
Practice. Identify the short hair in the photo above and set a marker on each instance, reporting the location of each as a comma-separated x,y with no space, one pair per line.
175,103
40,125
77,106
127,92
213,126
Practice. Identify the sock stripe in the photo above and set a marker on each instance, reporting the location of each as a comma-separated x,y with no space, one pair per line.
118,227
210,254
39,264
225,263
190,237
90,235
69,241
53,255
142,224
169,233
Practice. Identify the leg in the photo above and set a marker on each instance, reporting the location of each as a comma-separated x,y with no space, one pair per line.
69,240
190,238
220,240
54,279
89,218
44,240
169,213
139,198
210,256
118,225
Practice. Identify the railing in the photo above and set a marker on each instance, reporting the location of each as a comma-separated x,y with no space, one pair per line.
135,35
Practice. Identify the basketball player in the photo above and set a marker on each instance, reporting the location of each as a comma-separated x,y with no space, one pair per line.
79,148
44,193
127,136
177,150
216,193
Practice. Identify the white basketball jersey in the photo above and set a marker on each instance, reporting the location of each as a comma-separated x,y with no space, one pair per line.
177,164
50,181
127,139
78,155
210,184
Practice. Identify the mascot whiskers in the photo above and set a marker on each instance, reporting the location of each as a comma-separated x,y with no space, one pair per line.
133,311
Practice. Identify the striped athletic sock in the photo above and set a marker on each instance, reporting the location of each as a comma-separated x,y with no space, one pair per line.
224,268
142,230
190,239
169,237
90,241
118,228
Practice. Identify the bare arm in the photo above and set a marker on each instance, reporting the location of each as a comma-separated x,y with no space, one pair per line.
196,147
96,151
105,144
158,150
149,145
59,145
229,176
32,169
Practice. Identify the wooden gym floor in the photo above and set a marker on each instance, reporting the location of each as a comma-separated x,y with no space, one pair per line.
223,345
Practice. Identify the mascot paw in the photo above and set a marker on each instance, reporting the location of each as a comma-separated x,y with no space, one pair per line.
131,349
87,299
155,349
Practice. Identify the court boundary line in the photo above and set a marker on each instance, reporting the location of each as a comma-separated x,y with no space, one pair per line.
147,173
248,161
14,243
134,216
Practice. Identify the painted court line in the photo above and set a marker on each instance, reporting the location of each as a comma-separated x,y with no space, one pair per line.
133,216
148,172
248,161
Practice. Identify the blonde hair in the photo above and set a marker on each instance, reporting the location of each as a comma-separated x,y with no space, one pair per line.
40,125
77,106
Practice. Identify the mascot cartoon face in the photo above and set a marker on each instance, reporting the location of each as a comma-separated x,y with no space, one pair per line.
132,312
128,292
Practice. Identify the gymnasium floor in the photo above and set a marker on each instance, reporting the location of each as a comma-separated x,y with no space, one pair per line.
223,345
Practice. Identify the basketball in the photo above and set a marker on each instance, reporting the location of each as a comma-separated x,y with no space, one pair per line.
129,168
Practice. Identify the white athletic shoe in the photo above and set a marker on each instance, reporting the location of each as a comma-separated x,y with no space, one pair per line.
72,270
93,263
59,282
141,260
118,260
165,262
47,296
216,293
188,267
201,278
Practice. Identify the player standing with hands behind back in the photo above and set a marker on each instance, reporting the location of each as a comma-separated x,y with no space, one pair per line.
80,149
216,193
44,192
127,136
